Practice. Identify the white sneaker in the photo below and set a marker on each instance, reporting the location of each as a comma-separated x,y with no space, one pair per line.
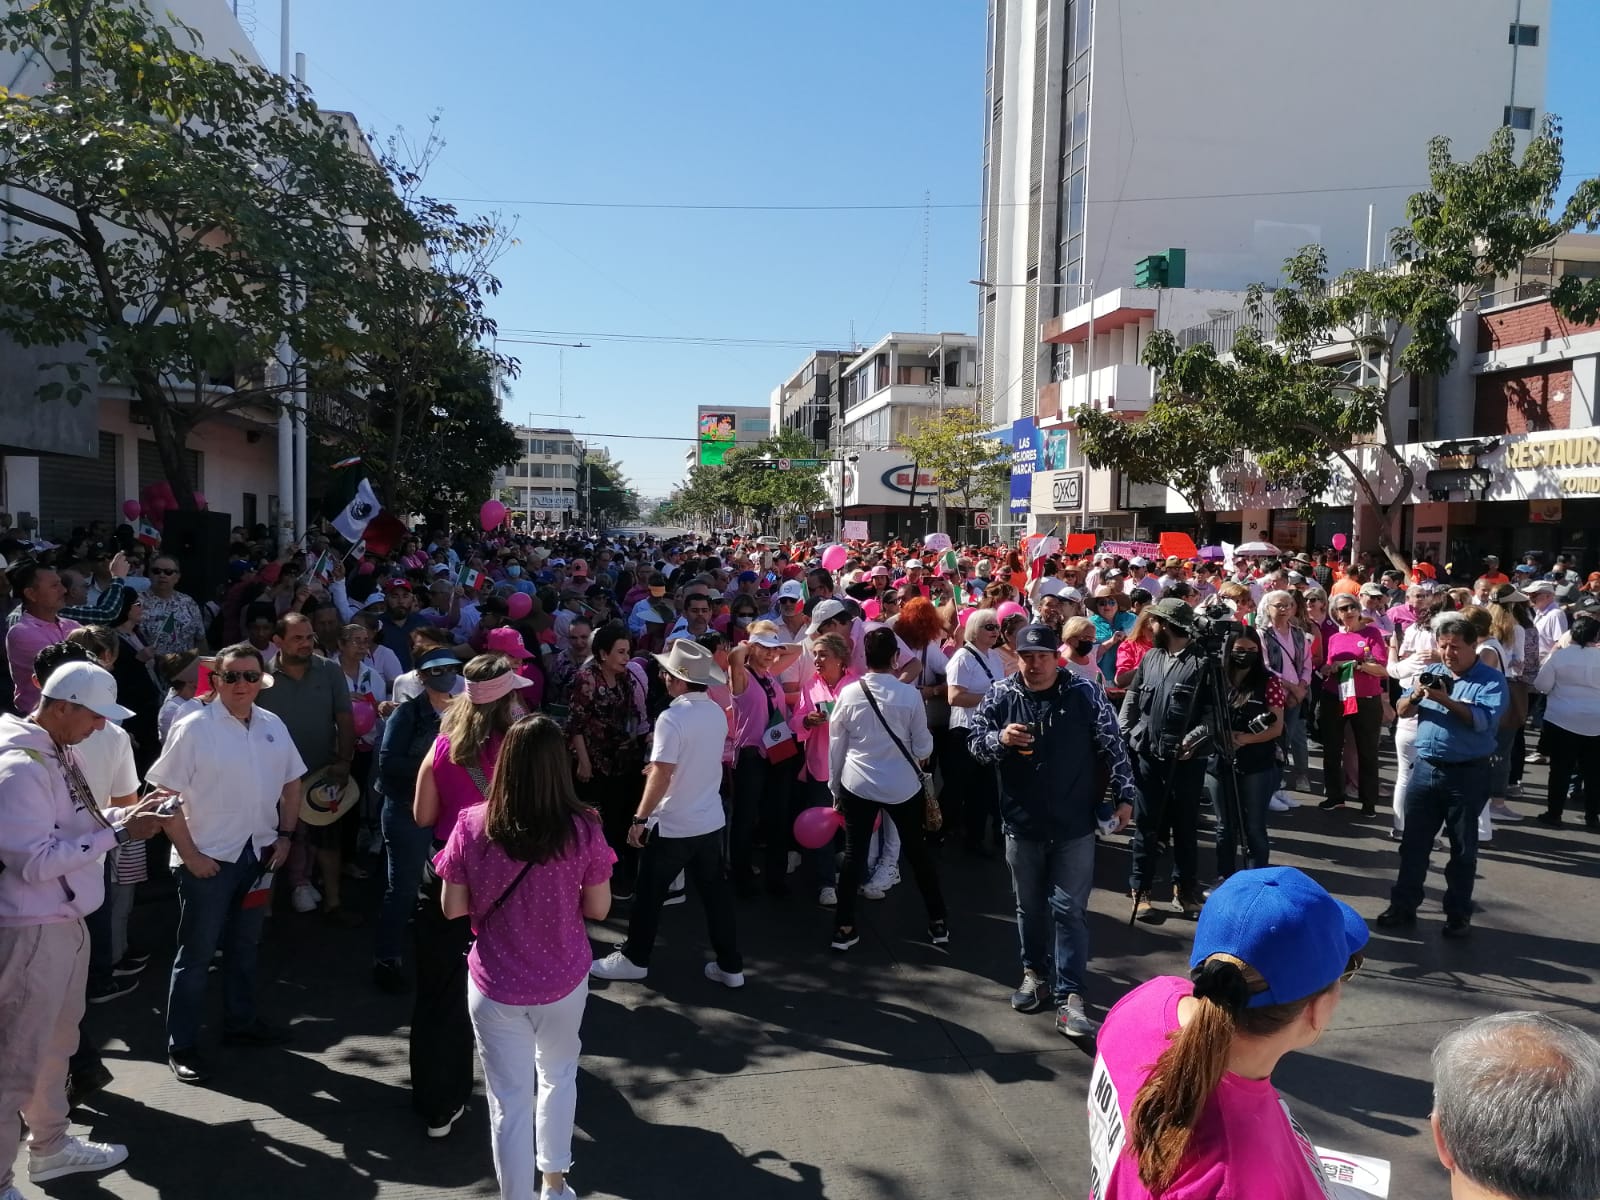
729,979
828,897
566,1193
75,1156
1289,799
794,861
1279,802
885,877
872,890
306,898
1503,813
443,1131
617,965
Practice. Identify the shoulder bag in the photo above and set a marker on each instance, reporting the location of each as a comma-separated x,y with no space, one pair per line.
938,706
932,815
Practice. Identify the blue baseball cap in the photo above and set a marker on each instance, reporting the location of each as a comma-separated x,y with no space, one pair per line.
1286,926
1037,637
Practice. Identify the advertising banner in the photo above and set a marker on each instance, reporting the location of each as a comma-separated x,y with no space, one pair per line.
717,430
1024,458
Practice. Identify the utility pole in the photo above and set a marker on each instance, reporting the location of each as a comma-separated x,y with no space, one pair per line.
938,484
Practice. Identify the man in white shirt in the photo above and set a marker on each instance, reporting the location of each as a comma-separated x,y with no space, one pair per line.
1549,623
1139,576
238,773
678,824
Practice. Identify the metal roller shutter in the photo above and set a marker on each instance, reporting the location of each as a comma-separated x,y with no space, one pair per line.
74,491
151,471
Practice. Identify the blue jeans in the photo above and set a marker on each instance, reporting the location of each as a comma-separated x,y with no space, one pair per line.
1296,753
209,916
1051,882
406,848
1255,791
1448,795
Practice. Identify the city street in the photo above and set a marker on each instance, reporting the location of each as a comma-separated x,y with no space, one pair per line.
897,1071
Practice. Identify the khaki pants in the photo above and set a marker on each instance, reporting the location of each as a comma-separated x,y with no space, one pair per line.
43,971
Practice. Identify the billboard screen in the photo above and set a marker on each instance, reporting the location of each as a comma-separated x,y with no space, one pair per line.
717,430
1024,458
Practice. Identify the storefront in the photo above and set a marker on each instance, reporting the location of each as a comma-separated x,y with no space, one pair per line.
895,499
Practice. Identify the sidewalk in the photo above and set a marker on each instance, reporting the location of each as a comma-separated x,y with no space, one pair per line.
895,1072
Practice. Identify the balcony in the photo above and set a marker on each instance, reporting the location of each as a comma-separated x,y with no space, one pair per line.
1121,388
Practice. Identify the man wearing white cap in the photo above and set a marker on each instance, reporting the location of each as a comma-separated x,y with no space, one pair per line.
678,823
53,843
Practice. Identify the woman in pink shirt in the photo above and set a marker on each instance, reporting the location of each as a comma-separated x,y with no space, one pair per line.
524,871
765,751
831,657
1354,674
453,778
1181,1102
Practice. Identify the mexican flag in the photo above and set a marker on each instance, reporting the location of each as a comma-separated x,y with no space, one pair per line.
1347,686
322,569
148,534
470,578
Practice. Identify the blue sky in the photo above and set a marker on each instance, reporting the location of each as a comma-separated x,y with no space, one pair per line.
854,102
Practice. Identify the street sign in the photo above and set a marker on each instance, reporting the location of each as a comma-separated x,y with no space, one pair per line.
802,520
783,464
798,464
980,520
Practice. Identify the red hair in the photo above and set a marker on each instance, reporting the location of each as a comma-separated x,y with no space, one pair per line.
919,622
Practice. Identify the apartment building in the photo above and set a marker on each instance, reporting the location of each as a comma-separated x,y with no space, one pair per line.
544,481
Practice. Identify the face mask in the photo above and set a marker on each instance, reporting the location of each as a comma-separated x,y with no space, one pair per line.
1082,648
658,592
513,570
1243,658
439,683
742,621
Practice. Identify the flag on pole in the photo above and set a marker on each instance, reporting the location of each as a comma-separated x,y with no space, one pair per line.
357,514
1347,686
322,569
345,462
470,578
148,534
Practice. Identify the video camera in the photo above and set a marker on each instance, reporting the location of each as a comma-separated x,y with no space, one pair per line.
1436,677
1214,625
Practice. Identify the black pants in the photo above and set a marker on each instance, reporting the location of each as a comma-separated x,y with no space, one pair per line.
615,796
761,798
700,858
1365,722
974,783
1573,754
441,1029
859,814
1169,798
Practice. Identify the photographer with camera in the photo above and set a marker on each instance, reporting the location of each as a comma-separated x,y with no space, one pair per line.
1457,704
1164,718
1255,719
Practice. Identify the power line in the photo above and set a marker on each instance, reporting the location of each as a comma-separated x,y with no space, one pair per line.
621,204
680,339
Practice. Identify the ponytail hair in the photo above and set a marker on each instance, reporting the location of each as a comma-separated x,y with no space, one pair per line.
1175,1093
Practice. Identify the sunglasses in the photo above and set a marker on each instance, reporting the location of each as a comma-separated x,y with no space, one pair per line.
1346,608
1352,968
163,570
1103,603
438,672
990,628
239,676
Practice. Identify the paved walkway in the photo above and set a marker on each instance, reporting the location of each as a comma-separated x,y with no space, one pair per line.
897,1071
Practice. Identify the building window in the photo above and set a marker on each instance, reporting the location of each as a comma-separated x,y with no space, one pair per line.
1524,35
1518,117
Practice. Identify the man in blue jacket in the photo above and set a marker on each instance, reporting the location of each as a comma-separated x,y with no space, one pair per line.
1050,734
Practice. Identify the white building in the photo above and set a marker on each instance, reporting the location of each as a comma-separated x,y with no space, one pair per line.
807,402
544,480
904,378
1238,130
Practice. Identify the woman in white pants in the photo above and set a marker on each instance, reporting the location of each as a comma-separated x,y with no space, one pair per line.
529,865
1413,652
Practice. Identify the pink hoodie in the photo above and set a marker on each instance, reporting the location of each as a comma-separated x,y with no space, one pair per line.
53,851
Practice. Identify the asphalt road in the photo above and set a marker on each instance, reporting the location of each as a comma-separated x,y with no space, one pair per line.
896,1071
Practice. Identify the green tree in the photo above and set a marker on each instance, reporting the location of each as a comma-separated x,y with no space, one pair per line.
765,492
954,447
180,203
424,350
1185,436
612,499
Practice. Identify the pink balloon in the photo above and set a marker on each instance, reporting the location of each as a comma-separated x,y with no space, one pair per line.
363,715
201,501
519,605
491,515
1010,609
131,509
814,827
834,557
1339,541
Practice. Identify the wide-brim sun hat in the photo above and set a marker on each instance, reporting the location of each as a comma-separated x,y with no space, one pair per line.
322,801
691,662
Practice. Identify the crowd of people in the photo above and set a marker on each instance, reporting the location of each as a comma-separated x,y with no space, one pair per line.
519,729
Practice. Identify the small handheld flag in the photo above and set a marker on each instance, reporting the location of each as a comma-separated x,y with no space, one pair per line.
148,534
1347,686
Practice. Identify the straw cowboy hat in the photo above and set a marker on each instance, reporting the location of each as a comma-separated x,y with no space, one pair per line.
322,802
691,662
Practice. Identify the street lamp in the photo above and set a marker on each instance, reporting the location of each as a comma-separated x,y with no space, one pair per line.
845,461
